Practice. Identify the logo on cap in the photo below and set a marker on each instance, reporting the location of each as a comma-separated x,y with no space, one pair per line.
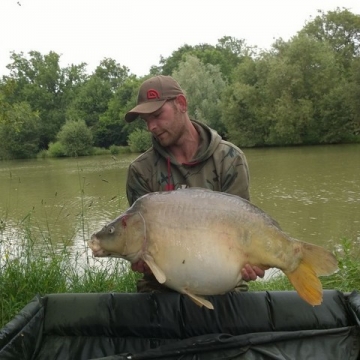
152,94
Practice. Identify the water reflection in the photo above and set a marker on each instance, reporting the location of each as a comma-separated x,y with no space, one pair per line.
313,192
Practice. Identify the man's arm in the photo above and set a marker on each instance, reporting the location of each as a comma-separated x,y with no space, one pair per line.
238,179
233,169
136,186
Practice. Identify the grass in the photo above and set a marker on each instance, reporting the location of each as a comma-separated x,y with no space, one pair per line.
27,269
56,150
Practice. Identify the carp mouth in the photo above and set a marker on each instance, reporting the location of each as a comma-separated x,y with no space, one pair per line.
103,253
97,250
100,253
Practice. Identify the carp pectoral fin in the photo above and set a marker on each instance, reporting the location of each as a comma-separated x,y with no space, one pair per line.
200,301
158,273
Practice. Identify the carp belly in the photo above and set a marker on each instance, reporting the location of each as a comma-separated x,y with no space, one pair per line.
208,266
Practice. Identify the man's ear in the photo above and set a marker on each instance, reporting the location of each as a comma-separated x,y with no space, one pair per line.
182,103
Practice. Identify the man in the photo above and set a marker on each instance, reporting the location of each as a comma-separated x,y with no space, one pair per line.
185,153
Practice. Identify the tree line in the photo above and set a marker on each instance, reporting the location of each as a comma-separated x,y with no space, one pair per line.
302,91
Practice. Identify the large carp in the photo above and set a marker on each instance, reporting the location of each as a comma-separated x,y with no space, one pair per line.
196,241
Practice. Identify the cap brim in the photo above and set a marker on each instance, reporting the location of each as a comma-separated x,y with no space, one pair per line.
144,108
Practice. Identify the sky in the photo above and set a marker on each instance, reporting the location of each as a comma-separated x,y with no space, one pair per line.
135,33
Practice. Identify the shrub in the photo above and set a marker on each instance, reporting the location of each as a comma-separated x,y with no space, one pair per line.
56,149
114,150
139,140
42,154
100,151
19,132
76,138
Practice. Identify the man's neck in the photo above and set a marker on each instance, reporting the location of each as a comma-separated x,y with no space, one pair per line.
185,149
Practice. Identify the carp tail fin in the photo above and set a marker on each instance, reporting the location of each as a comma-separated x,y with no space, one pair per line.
323,261
316,261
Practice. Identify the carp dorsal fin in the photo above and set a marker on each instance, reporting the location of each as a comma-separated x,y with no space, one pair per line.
158,273
198,300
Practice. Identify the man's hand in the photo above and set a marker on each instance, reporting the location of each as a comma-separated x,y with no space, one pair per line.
248,272
141,267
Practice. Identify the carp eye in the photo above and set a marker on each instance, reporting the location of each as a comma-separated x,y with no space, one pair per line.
111,229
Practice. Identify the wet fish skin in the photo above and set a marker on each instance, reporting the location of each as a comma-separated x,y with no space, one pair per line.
196,241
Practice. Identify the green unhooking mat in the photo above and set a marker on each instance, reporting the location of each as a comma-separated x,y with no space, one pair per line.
251,326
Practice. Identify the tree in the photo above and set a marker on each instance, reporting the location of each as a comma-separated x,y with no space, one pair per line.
112,128
91,101
41,82
19,131
241,110
310,78
203,85
227,54
94,98
339,28
353,94
76,138
112,72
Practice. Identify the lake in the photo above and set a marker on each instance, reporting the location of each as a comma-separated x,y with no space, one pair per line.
313,192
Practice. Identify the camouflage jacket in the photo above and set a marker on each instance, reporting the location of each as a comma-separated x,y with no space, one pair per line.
217,165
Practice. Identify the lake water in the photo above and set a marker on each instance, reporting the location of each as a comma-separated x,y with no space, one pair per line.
313,192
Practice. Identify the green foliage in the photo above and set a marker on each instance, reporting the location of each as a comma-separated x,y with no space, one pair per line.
42,154
112,73
301,91
91,101
19,132
45,86
203,85
56,149
112,128
76,138
226,54
100,151
347,278
353,95
139,140
241,114
115,150
294,95
339,28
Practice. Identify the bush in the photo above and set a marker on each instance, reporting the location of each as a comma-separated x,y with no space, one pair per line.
42,154
115,149
19,132
76,138
56,149
100,151
139,140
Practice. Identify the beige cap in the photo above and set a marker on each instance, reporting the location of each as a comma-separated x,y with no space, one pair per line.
153,94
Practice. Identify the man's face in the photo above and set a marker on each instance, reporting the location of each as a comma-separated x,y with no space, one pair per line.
165,124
